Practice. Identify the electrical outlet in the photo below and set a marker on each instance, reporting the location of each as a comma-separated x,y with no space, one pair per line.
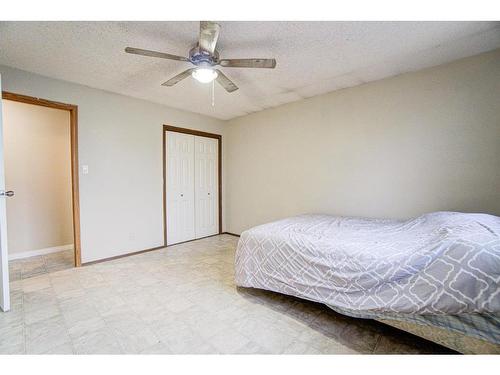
85,169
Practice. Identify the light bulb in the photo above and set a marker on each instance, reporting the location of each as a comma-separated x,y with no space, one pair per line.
204,75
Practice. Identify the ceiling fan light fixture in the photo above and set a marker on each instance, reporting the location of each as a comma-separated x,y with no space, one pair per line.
204,75
205,57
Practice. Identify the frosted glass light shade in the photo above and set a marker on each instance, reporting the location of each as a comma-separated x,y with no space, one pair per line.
204,75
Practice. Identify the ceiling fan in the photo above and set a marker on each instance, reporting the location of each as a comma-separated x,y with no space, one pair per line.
205,57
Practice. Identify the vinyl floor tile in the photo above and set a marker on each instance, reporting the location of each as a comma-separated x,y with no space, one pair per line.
180,300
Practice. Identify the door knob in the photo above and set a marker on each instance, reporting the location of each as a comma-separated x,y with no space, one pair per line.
8,193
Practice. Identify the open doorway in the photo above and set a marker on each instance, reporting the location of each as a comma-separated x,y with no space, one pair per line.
41,167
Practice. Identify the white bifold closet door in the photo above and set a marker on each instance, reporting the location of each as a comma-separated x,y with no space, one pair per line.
180,187
206,186
192,187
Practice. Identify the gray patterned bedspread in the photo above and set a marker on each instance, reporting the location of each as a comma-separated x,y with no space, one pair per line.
443,263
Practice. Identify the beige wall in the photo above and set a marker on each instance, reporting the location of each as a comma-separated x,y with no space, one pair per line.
37,167
399,147
120,139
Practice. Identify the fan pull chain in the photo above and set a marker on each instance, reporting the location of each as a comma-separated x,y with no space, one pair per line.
213,93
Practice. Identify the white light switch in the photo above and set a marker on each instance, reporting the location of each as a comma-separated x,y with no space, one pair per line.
85,169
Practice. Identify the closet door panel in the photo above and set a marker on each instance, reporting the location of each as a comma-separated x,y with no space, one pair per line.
206,186
180,187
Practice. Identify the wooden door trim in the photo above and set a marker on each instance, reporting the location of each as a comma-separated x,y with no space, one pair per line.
219,167
75,195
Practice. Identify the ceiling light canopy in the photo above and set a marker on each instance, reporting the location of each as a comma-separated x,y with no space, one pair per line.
204,75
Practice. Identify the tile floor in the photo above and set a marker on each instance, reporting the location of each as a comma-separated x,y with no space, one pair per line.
29,267
179,300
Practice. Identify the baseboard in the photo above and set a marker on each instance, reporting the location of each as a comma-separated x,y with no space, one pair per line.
147,250
122,256
231,234
34,253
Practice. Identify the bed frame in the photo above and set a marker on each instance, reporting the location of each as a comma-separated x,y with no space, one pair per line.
456,341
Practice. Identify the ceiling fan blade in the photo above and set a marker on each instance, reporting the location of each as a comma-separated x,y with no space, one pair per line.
209,34
225,82
146,52
248,63
179,77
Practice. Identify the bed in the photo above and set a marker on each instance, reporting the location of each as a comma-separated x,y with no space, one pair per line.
436,276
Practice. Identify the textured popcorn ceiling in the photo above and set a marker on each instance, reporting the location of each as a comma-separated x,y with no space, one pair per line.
313,57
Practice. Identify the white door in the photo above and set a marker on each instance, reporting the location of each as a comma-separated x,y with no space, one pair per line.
206,186
4,256
180,187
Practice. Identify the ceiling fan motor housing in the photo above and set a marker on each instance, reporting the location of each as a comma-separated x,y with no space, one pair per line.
200,57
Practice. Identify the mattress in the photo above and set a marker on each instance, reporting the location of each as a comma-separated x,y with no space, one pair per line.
437,266
480,326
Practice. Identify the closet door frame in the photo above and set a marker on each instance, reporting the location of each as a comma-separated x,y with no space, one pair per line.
219,170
